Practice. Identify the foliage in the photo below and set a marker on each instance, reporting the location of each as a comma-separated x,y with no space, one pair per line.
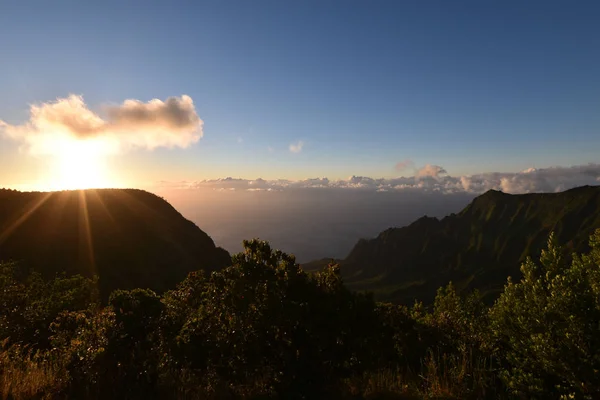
29,303
263,328
264,319
113,351
548,326
80,339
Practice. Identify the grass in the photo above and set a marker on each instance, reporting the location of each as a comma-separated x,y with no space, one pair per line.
442,376
25,376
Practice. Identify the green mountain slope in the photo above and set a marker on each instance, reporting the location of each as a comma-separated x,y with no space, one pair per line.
477,248
130,238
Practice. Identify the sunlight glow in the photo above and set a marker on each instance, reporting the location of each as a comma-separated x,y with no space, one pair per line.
79,164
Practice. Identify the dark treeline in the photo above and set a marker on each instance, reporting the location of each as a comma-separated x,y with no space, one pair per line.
263,328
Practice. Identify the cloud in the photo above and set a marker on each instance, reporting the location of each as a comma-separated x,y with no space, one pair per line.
296,147
240,139
433,171
320,217
404,164
270,149
436,180
170,123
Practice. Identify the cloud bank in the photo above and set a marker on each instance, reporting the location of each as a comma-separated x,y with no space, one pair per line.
132,124
320,217
431,178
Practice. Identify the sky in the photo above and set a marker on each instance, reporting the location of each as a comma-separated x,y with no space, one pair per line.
295,89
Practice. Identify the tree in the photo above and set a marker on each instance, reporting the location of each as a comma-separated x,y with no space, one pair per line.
264,322
114,351
28,303
548,326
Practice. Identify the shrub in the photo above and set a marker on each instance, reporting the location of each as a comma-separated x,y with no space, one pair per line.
264,320
548,326
29,303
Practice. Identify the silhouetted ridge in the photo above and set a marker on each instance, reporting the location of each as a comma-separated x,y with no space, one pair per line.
477,248
130,238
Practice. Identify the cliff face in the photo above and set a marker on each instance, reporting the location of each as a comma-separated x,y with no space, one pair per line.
477,248
129,238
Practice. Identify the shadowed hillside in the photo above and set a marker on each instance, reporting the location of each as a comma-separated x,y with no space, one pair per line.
477,248
130,238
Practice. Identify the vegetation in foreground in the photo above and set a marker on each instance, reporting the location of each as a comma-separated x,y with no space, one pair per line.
263,328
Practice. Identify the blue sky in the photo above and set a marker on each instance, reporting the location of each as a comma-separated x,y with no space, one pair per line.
474,87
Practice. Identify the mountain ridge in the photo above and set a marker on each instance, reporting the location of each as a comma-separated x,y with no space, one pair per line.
476,248
128,237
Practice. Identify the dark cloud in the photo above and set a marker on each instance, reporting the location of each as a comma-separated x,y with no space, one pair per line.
172,114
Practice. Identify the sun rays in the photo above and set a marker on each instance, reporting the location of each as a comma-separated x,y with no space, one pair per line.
24,216
57,205
85,232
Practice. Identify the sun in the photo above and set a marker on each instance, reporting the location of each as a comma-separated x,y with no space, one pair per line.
79,164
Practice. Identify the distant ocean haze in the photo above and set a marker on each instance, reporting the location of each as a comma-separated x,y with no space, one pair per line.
316,218
310,223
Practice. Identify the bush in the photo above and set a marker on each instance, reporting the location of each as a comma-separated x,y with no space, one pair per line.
263,328
29,303
264,322
548,326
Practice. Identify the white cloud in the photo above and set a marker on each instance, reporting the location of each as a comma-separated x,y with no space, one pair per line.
240,139
270,149
296,147
328,216
539,180
170,123
433,171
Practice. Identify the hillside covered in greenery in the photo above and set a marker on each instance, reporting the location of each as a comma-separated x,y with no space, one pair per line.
478,248
128,238
264,329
